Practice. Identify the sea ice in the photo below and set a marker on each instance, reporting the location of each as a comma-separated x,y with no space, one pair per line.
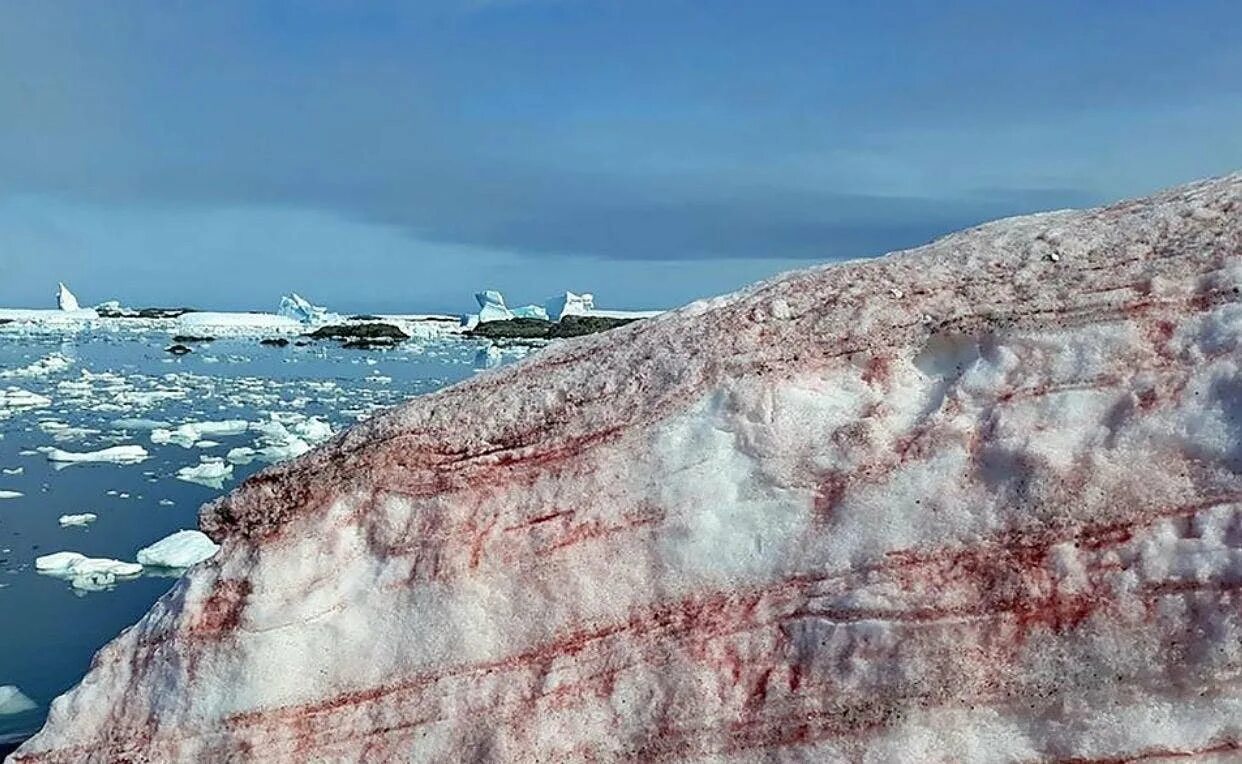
178,550
117,454
15,397
69,521
11,494
86,573
14,701
211,471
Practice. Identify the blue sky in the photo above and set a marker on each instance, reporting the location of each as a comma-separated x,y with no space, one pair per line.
383,156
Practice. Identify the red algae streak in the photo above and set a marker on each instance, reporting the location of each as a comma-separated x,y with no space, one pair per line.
979,501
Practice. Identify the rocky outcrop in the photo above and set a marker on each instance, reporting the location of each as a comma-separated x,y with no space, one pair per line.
979,501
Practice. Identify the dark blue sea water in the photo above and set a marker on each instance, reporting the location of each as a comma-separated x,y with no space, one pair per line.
48,629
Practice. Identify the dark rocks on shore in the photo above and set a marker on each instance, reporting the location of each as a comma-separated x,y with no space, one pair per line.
276,342
379,343
178,349
537,328
353,332
184,338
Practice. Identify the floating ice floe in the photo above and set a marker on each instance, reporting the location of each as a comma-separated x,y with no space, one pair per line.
178,550
211,471
14,701
15,398
50,364
192,433
11,494
77,521
131,454
65,299
86,573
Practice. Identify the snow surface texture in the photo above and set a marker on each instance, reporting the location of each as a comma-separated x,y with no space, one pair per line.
979,501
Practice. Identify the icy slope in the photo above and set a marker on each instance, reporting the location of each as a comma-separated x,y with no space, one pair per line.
980,501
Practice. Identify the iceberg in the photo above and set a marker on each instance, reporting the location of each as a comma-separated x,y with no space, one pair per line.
65,299
178,550
976,501
569,304
298,308
114,454
492,307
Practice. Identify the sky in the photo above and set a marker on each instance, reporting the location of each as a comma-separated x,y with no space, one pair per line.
386,156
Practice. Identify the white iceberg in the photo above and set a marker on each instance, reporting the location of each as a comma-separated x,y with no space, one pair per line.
531,311
298,308
11,494
179,550
211,471
14,701
492,306
77,521
65,299
569,304
115,454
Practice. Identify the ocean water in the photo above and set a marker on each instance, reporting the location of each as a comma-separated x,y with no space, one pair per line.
49,630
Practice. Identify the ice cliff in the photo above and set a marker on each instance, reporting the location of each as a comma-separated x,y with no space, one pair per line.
978,501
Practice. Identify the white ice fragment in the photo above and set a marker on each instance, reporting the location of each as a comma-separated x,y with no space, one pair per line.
114,454
70,521
211,471
50,364
14,701
179,550
531,311
11,494
15,397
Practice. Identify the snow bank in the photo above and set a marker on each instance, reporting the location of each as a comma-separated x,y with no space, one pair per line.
179,550
114,454
976,502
